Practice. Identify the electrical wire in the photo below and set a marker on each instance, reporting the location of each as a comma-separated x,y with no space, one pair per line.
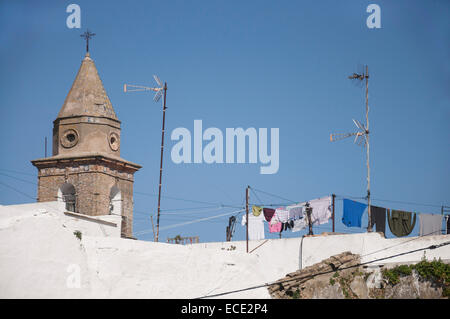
186,200
256,195
187,223
17,172
273,195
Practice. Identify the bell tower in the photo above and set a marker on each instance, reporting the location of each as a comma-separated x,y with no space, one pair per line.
85,170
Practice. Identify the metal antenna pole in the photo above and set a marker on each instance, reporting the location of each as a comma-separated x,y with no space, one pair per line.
161,165
246,213
153,229
308,214
361,136
333,196
161,90
369,226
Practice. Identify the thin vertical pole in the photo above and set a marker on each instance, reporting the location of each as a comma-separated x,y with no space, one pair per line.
153,229
46,146
333,196
369,226
308,214
246,213
161,165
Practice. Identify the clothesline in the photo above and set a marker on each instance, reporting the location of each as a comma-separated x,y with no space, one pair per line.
401,223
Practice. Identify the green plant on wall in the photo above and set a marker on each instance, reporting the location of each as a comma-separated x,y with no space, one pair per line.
434,271
77,234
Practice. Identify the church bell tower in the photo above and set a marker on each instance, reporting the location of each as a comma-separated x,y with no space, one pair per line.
85,170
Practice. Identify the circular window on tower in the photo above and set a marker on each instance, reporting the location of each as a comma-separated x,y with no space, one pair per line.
114,141
69,138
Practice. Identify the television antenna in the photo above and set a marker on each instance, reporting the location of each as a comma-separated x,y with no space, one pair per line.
161,90
362,134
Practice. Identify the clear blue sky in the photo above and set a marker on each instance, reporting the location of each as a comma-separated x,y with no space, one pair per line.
243,64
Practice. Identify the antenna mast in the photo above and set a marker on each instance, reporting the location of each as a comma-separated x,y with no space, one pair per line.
361,136
369,226
161,90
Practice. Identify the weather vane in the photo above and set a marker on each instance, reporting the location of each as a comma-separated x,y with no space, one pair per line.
87,35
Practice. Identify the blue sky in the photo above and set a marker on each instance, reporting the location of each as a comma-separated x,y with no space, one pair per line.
243,64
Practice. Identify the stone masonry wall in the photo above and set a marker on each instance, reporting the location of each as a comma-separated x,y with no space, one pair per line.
93,185
342,277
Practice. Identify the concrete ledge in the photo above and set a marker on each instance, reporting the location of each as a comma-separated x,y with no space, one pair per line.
90,218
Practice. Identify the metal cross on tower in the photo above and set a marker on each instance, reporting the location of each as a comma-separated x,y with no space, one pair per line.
87,35
161,90
362,135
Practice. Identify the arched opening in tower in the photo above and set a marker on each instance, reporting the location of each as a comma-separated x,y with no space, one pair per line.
67,194
115,204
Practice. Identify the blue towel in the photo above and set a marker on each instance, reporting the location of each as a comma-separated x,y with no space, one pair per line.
352,213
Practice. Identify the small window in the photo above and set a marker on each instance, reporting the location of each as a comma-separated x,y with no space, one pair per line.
71,137
114,141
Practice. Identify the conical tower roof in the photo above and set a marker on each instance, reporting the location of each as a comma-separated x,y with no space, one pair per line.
87,97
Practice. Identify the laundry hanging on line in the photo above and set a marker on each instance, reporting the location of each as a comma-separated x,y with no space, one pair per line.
281,215
448,224
430,224
255,226
400,222
321,210
268,213
295,212
291,217
256,210
352,212
299,224
378,218
276,227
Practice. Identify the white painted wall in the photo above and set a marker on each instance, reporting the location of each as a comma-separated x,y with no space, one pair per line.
370,246
57,210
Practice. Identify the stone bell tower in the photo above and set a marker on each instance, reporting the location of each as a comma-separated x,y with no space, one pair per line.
86,170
